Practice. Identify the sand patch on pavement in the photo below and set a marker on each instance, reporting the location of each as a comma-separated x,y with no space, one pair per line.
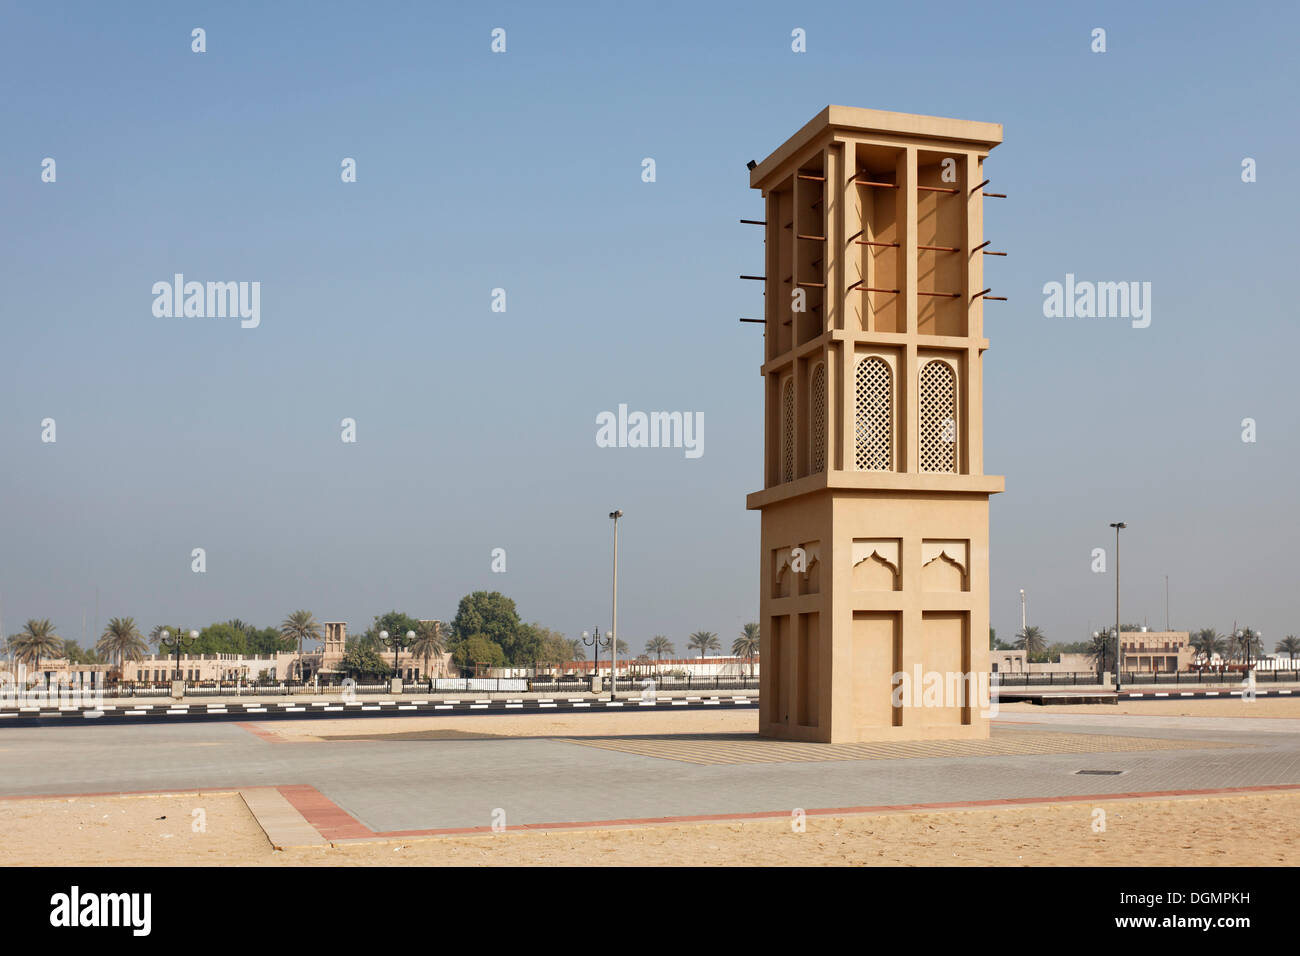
525,725
1280,707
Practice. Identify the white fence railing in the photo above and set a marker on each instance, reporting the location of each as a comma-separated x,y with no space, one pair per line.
485,684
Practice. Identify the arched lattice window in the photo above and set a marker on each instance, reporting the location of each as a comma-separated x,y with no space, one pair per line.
818,405
787,430
873,424
938,418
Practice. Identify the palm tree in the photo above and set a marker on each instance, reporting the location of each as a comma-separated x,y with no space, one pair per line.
156,634
1032,641
300,626
121,640
747,644
1207,643
36,640
659,646
1102,651
1249,644
428,642
1289,645
703,641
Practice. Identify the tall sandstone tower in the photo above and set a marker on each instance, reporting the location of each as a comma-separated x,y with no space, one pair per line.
875,502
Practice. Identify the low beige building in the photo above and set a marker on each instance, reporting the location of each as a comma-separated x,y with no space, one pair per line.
1007,662
1163,652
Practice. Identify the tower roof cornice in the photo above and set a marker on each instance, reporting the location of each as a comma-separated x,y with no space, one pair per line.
969,134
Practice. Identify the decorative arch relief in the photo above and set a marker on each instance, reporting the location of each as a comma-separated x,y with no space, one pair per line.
876,564
945,565
800,563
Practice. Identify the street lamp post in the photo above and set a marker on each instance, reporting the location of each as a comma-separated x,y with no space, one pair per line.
593,639
613,640
1024,628
177,641
1119,662
397,642
1245,638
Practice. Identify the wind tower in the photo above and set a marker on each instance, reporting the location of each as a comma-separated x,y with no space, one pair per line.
874,554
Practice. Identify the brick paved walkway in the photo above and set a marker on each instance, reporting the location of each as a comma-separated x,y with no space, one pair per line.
404,785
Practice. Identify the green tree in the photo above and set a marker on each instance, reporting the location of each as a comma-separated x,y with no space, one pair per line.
223,638
703,641
553,647
121,641
266,641
494,617
489,613
528,645
478,649
395,622
36,640
360,661
298,627
77,655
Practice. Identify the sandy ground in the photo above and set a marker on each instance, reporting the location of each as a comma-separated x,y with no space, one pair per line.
509,725
131,831
1251,830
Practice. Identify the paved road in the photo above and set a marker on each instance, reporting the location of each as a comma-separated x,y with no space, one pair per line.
252,709
426,784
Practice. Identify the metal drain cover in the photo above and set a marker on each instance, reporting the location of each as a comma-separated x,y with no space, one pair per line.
1101,773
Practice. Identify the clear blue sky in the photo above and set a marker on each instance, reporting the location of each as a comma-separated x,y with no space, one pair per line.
477,429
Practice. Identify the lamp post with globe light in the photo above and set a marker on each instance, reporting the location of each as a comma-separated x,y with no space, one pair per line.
177,641
594,640
397,642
